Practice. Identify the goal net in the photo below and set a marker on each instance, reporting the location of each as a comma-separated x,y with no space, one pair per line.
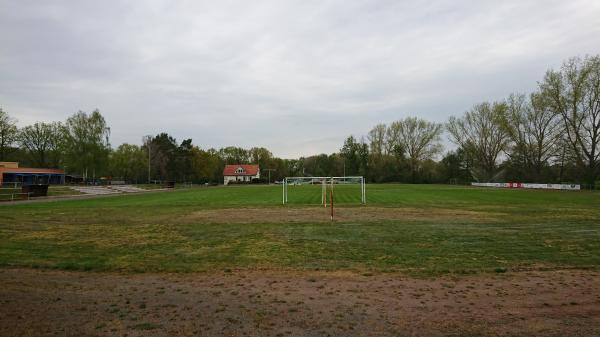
321,190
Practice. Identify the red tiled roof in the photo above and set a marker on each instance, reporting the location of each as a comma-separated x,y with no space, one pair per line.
249,170
30,170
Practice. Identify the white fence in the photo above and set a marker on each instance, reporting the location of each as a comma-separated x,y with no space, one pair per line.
570,187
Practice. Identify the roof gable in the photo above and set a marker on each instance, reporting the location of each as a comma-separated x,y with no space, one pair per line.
240,170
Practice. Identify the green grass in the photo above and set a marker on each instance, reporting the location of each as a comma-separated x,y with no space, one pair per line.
8,194
53,190
520,229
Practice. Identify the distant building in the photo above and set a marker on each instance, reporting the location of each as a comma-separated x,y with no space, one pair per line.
10,172
240,173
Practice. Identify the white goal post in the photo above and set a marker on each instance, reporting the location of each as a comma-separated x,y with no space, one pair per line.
324,182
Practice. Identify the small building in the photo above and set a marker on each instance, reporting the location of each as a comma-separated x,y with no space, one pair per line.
10,172
240,173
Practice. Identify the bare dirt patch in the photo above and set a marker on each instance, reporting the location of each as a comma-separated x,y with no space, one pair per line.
295,303
342,214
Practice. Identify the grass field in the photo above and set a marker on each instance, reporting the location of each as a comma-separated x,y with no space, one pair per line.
416,229
7,193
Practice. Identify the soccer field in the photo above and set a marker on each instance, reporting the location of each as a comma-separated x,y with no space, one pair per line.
415,229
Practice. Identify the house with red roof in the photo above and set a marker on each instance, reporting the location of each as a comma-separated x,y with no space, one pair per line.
241,173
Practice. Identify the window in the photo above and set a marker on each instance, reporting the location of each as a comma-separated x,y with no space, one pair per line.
239,170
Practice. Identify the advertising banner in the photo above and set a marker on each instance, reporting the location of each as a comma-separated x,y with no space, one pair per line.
570,187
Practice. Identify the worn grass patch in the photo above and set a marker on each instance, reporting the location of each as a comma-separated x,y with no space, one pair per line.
342,214
417,229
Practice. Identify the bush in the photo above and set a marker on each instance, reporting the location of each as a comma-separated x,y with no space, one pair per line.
238,183
253,181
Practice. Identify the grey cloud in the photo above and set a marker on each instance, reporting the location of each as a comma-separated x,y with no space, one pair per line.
293,76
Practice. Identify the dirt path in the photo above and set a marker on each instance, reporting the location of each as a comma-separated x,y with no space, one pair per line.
282,303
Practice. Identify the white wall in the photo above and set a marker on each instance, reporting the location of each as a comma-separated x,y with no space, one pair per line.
227,179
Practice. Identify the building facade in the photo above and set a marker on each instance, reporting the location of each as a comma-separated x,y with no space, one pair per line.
10,172
240,173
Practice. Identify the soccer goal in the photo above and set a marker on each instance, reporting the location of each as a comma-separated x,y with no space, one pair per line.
320,190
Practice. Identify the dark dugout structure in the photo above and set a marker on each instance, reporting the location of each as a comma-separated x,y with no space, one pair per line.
10,172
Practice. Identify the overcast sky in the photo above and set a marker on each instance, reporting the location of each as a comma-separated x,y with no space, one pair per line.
296,77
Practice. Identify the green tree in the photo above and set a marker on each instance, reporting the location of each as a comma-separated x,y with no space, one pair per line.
481,134
8,134
392,139
234,155
377,152
294,167
420,139
455,167
363,158
41,141
573,92
163,156
262,157
351,156
85,143
184,159
377,139
321,165
129,162
206,165
534,131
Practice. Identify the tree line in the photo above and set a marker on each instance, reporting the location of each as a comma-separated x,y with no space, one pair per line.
81,147
549,135
80,144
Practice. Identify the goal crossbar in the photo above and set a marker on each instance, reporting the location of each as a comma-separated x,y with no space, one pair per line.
324,181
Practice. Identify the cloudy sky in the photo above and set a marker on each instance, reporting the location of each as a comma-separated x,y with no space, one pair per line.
296,77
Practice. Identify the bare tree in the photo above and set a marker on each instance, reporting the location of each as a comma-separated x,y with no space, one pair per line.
574,94
392,139
420,139
376,139
480,133
41,141
8,133
534,131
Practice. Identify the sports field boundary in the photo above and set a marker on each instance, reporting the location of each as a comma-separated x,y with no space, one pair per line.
82,196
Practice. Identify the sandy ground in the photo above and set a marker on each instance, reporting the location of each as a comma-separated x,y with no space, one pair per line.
293,303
